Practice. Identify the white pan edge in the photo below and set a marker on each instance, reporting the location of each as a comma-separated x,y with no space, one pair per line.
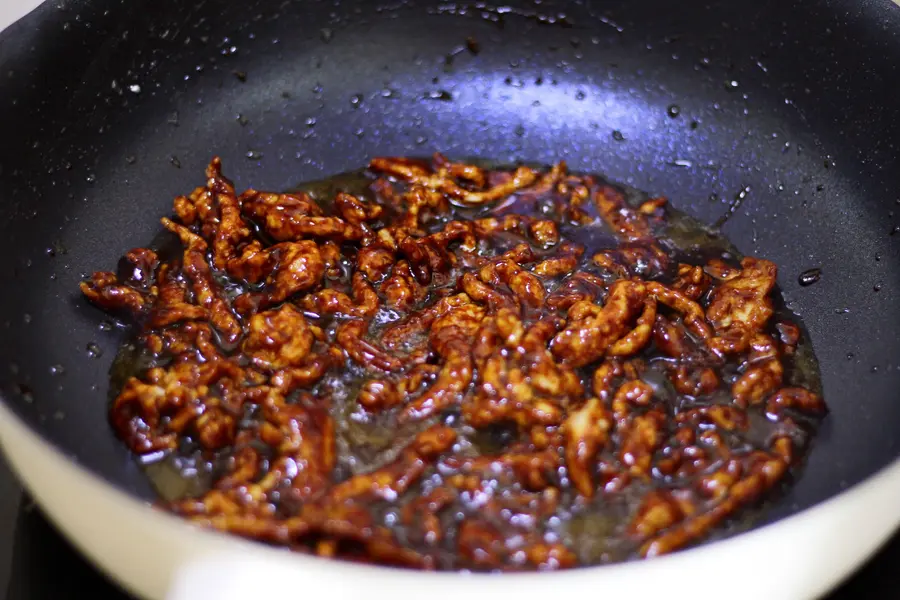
155,555
13,10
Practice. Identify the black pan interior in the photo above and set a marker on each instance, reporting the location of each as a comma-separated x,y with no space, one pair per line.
108,108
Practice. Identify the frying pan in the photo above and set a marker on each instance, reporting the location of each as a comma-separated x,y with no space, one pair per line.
778,119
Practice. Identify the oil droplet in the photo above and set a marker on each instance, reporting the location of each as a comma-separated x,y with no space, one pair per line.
253,154
617,135
175,162
442,95
731,85
673,111
93,350
57,370
356,100
809,277
876,287
895,230
421,140
850,356
841,311
105,326
310,122
25,392
243,120
579,95
134,88
695,124
682,162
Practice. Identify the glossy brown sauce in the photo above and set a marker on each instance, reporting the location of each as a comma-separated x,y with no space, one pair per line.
457,366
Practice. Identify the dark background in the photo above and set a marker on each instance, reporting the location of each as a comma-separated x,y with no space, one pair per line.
37,564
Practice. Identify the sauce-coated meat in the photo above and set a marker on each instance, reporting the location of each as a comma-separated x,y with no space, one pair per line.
457,367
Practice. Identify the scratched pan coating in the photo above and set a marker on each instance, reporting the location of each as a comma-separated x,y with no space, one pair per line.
787,105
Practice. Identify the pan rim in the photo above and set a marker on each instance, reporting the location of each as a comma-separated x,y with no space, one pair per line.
13,10
13,428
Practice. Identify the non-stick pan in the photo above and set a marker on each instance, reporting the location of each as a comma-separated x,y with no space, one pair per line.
779,119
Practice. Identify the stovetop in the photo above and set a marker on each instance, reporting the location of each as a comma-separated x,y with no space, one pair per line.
37,564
